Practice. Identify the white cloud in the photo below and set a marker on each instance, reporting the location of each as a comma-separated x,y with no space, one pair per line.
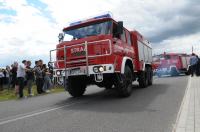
68,11
180,44
28,35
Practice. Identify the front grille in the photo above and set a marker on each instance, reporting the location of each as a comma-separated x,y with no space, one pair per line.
79,62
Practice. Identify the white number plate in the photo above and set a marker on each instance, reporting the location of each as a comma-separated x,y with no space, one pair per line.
75,71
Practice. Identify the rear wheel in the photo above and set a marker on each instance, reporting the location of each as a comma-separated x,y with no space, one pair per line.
150,76
125,88
76,87
143,80
187,73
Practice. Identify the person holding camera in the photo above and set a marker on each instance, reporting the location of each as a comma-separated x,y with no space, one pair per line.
14,74
47,80
29,78
39,76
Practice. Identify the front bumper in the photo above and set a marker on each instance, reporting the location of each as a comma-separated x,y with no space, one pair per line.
82,70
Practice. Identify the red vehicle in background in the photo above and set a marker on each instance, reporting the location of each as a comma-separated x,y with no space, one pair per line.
171,64
101,51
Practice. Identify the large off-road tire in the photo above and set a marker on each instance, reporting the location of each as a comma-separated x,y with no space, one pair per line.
150,76
143,80
109,86
187,73
125,87
76,87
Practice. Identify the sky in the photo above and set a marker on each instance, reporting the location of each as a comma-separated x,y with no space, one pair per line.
29,28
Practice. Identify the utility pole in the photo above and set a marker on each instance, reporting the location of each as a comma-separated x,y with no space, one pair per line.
192,49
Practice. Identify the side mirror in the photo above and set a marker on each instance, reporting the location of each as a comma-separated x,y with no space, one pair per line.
120,27
60,37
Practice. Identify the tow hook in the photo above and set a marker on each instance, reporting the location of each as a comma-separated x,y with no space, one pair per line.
98,77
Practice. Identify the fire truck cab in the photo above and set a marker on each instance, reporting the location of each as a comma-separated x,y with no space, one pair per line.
101,51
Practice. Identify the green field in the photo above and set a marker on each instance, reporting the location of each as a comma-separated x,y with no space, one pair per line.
10,94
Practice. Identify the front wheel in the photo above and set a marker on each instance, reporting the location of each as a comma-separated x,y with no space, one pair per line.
109,86
76,87
125,88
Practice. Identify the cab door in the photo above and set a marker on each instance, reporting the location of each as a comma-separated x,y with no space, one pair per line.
118,47
128,47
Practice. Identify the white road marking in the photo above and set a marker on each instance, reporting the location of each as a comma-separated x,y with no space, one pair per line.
38,113
182,103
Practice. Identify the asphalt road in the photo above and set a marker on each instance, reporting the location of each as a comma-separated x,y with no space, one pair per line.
152,109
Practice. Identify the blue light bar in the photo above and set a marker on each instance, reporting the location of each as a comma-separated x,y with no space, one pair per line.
75,23
103,16
97,17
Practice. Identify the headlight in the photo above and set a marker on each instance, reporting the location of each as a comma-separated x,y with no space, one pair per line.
98,69
95,69
58,73
101,69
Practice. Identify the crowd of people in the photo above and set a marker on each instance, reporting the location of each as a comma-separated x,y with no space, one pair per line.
8,76
23,74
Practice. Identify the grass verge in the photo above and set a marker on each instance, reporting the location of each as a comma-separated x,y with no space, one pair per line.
10,94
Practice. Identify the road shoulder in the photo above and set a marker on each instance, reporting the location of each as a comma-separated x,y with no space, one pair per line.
188,119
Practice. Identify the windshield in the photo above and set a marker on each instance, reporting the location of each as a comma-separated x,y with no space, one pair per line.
90,30
167,57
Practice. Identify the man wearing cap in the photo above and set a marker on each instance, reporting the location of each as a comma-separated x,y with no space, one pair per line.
193,64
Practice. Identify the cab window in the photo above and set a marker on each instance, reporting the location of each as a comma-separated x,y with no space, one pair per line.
128,38
123,36
115,34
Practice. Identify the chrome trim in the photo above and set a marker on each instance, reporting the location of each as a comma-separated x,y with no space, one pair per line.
71,62
65,52
110,46
51,56
86,57
86,54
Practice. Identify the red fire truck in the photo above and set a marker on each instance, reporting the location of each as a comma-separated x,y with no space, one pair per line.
171,64
101,51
